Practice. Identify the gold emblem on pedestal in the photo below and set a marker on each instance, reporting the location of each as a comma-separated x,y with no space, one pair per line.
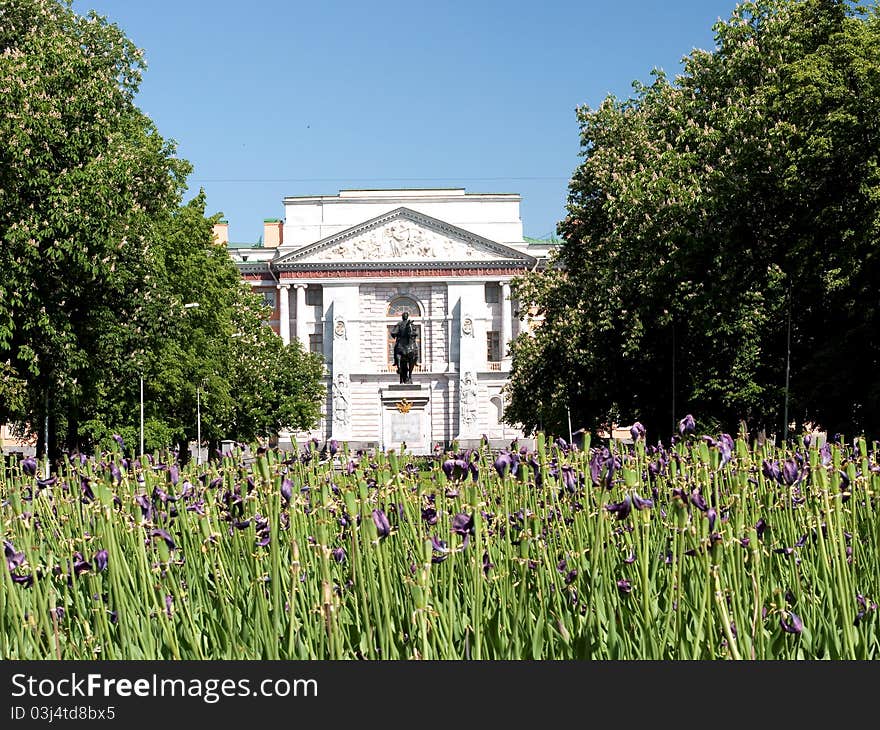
403,405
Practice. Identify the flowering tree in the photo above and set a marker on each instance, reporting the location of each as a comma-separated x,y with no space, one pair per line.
98,256
720,249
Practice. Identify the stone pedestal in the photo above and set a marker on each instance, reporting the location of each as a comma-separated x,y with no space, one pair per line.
406,418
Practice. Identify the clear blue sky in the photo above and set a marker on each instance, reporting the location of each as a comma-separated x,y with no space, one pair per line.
270,98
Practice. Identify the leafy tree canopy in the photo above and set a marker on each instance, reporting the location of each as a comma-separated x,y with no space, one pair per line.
98,257
720,226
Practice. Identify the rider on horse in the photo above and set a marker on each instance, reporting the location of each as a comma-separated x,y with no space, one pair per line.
405,347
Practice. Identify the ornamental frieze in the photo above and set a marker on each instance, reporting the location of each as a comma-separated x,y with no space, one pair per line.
401,239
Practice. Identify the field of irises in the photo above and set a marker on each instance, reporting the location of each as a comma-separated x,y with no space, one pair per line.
707,548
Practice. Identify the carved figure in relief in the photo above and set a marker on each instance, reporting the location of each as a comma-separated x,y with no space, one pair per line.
397,237
341,400
339,328
467,326
403,239
468,402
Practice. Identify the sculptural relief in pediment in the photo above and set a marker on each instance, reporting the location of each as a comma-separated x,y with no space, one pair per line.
402,240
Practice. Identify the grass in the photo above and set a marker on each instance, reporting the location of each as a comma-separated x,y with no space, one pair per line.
730,561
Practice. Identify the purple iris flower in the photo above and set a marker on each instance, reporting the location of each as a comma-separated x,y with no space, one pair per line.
118,439
286,490
13,559
601,460
146,506
760,528
429,515
162,496
825,454
164,535
463,524
569,478
23,580
864,607
439,550
350,467
640,503
637,431
503,463
339,555
169,602
198,507
381,521
624,586
562,444
29,466
261,527
725,447
698,501
596,461
487,566
790,472
174,474
621,509
712,515
101,558
115,473
687,425
80,564
793,626
455,469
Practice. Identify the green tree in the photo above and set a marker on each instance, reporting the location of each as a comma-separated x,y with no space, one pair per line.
99,259
714,220
83,174
201,340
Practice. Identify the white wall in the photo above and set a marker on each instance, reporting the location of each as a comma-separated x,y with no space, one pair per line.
493,216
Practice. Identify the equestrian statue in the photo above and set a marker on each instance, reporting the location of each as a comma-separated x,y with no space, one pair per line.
406,348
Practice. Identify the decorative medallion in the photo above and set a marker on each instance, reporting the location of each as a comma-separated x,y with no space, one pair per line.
403,405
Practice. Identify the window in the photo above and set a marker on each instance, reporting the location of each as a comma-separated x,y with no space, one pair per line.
315,295
493,346
493,293
269,297
399,305
316,343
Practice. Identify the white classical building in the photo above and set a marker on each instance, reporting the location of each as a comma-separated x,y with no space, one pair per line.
340,270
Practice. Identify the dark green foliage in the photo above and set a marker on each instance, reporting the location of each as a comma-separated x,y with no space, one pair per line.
97,256
705,212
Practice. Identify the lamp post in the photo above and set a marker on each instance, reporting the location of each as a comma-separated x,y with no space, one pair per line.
194,305
199,424
142,416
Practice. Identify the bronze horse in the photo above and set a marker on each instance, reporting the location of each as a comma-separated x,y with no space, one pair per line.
406,349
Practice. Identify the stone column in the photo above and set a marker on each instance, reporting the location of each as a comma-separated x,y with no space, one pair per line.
283,313
301,334
506,320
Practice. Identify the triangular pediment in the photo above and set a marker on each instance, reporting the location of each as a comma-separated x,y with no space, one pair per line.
404,237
